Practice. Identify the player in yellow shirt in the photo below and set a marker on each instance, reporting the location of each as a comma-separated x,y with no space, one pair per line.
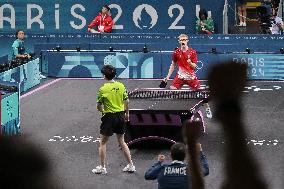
112,101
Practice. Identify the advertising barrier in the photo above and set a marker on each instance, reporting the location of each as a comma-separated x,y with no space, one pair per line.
153,65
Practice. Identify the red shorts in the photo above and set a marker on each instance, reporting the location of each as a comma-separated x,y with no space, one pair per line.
178,83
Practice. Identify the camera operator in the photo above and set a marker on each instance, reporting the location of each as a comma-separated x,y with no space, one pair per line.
274,4
270,23
276,24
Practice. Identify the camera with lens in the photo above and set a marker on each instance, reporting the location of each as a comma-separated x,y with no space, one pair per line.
264,13
272,21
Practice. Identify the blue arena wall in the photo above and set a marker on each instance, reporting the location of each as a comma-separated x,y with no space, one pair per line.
136,42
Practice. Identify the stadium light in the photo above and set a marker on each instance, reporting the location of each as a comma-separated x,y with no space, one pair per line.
145,49
248,50
110,49
58,48
214,50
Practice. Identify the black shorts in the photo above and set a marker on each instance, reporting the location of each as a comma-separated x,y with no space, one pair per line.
113,123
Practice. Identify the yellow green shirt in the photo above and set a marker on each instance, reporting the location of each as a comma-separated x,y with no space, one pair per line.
112,95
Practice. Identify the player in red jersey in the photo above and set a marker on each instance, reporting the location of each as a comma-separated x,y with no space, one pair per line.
186,59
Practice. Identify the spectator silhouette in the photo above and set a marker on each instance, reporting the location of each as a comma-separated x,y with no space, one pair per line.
226,82
22,166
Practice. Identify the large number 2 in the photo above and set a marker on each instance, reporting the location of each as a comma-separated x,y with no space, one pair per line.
173,26
119,12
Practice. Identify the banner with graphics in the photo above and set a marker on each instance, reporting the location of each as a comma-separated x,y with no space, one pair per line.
154,65
262,66
73,16
89,64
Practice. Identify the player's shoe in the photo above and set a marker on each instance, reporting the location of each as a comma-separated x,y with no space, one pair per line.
129,168
99,170
208,113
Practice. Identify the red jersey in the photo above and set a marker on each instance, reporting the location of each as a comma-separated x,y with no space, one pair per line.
105,22
184,68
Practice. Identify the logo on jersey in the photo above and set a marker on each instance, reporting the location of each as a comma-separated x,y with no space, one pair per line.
199,66
137,16
115,89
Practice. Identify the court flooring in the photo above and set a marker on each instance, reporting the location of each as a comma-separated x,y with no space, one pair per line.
60,117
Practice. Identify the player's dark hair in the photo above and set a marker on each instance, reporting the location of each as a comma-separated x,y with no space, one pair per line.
203,12
107,7
178,151
109,72
17,32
